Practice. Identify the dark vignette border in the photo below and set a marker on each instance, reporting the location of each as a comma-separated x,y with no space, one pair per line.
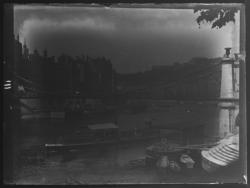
6,53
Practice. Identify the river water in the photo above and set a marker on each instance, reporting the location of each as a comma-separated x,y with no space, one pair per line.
110,164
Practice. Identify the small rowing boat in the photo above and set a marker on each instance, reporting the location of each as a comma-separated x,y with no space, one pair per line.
222,155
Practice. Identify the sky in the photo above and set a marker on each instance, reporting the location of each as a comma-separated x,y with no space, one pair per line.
134,39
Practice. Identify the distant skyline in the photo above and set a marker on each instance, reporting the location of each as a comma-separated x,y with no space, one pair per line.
134,39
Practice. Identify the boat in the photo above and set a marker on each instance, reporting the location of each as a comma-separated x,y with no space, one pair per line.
224,154
99,134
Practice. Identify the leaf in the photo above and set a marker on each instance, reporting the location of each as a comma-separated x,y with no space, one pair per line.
218,17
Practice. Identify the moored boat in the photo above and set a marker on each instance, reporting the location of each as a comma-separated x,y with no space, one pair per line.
222,155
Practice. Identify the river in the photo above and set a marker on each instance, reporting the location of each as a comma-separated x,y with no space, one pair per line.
110,164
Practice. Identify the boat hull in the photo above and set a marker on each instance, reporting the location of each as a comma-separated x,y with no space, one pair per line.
222,155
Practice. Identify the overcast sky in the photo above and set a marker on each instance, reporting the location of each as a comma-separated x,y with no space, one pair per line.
133,39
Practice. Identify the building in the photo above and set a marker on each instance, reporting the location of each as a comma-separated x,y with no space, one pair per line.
83,76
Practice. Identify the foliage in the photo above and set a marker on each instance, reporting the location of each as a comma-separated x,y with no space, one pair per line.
218,17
